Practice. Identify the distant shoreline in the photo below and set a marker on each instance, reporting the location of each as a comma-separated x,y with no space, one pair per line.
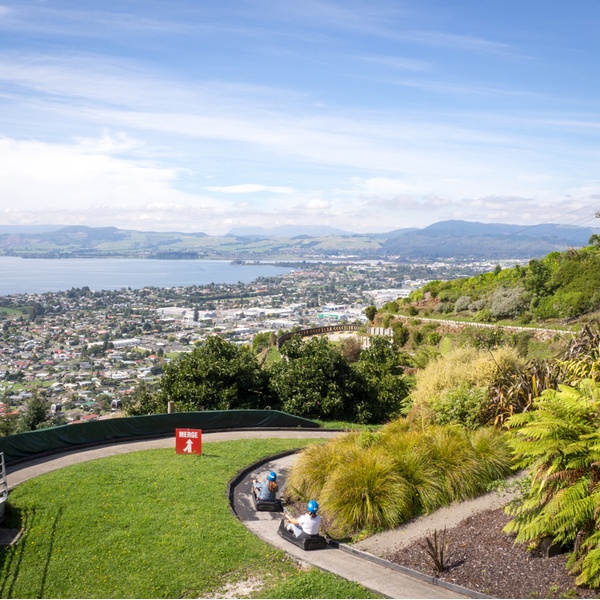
40,275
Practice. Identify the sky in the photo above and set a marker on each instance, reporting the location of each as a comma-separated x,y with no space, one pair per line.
362,115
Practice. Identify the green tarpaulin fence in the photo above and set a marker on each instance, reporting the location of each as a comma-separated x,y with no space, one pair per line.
24,446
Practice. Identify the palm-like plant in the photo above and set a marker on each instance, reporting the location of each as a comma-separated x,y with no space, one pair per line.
560,443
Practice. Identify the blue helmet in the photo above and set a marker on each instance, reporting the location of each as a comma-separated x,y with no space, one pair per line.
272,476
312,506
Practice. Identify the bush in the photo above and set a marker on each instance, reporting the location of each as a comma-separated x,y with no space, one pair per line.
464,405
444,307
366,493
434,338
455,373
477,305
462,304
507,303
484,316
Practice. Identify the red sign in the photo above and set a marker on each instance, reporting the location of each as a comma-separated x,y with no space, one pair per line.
188,441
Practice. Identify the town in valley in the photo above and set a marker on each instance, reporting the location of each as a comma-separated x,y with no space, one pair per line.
85,350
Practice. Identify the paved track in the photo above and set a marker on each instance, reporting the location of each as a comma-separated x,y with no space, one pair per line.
376,577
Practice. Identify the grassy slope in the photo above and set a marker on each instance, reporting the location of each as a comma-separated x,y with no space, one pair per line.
150,524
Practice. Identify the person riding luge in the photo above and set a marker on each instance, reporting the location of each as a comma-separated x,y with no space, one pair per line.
303,531
307,523
265,493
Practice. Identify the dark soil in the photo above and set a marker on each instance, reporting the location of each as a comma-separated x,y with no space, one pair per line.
483,558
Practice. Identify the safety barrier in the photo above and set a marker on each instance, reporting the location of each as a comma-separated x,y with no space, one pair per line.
326,329
24,446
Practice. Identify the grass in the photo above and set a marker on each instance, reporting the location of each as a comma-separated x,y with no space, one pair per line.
346,425
150,524
316,584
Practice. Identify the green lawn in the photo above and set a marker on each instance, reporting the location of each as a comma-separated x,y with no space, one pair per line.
150,524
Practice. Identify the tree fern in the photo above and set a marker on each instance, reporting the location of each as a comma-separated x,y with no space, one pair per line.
560,444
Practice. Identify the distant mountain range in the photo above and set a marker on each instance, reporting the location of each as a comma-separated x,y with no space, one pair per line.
462,240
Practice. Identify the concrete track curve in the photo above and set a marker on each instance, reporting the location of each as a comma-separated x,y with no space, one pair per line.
376,577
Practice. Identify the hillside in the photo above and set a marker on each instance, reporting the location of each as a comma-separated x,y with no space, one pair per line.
459,240
562,286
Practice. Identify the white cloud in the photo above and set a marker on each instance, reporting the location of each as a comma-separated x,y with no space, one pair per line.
72,177
251,188
317,204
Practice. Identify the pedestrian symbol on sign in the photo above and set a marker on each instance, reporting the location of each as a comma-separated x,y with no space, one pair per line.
188,441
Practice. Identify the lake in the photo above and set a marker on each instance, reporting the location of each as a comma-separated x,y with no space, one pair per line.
38,275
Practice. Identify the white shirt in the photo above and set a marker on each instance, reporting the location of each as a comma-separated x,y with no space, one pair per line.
309,525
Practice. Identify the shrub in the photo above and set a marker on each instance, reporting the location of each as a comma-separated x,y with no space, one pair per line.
465,405
462,304
401,333
417,337
507,303
444,307
477,305
434,338
366,493
484,316
462,368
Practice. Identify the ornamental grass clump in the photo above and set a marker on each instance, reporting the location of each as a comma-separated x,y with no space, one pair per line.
366,493
366,483
449,451
494,454
315,466
408,451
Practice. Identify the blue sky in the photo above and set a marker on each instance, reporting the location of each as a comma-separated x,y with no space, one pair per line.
368,116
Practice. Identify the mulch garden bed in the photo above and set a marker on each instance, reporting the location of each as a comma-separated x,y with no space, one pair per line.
483,558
